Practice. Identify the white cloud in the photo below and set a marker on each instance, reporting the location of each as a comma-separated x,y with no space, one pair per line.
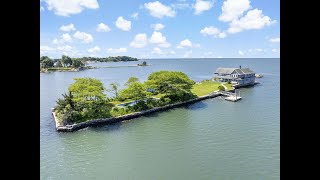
222,35
232,9
172,52
157,50
276,50
68,50
213,31
67,8
67,28
187,54
135,15
45,50
41,8
165,45
139,41
219,57
181,6
123,24
94,49
159,39
159,10
103,28
65,48
85,37
254,19
201,6
119,50
255,51
186,43
157,26
65,38
275,40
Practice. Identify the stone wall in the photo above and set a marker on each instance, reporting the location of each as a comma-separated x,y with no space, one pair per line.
99,122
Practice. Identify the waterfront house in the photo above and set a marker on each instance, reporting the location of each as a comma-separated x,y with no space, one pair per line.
237,76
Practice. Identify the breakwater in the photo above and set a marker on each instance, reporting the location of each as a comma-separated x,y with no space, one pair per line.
105,121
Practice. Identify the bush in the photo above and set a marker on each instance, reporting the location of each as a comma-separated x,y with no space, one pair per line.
221,88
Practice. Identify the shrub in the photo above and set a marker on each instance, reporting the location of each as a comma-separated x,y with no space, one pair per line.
221,88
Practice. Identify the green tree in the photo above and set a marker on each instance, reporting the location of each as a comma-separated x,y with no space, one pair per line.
43,58
87,89
76,63
169,82
135,90
114,88
131,80
59,64
66,61
144,63
46,63
221,88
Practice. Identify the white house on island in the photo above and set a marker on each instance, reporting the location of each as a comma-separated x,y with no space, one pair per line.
237,76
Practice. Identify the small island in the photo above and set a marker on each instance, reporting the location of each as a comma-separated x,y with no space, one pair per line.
76,64
144,63
86,104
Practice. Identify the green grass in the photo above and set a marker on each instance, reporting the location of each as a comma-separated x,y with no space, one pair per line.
228,86
201,89
207,87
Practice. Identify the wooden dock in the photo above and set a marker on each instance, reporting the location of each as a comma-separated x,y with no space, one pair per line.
231,96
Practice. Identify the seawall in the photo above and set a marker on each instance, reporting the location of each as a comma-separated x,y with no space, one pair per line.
105,121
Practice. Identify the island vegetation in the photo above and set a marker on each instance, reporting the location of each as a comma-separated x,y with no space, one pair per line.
108,59
144,63
86,98
66,63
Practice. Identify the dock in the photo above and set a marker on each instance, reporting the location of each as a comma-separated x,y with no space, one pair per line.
232,96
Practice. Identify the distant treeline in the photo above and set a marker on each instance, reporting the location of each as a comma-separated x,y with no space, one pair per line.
66,61
108,59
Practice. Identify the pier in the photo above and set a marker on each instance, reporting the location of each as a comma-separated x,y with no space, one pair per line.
231,96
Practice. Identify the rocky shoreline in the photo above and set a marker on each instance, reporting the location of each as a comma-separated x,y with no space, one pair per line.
67,70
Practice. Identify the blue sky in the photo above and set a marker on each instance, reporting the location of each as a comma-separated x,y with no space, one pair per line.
160,29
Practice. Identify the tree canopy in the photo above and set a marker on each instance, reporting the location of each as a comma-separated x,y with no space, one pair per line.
46,62
169,81
66,61
135,90
87,89
131,80
85,100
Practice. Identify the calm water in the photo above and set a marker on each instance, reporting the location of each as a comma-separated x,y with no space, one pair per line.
212,139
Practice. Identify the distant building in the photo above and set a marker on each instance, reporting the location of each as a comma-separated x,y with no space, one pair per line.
238,76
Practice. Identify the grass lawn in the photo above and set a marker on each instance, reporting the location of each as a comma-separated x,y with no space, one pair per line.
228,86
206,87
201,89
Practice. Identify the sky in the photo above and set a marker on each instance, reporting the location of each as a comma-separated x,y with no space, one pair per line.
160,29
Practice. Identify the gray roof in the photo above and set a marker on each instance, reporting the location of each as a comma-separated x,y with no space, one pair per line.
224,70
231,70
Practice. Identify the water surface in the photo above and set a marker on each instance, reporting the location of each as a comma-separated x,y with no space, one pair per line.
212,139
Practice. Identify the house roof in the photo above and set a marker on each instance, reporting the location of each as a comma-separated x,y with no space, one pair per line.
231,70
224,70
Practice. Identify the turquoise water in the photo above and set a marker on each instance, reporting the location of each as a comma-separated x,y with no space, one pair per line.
212,139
